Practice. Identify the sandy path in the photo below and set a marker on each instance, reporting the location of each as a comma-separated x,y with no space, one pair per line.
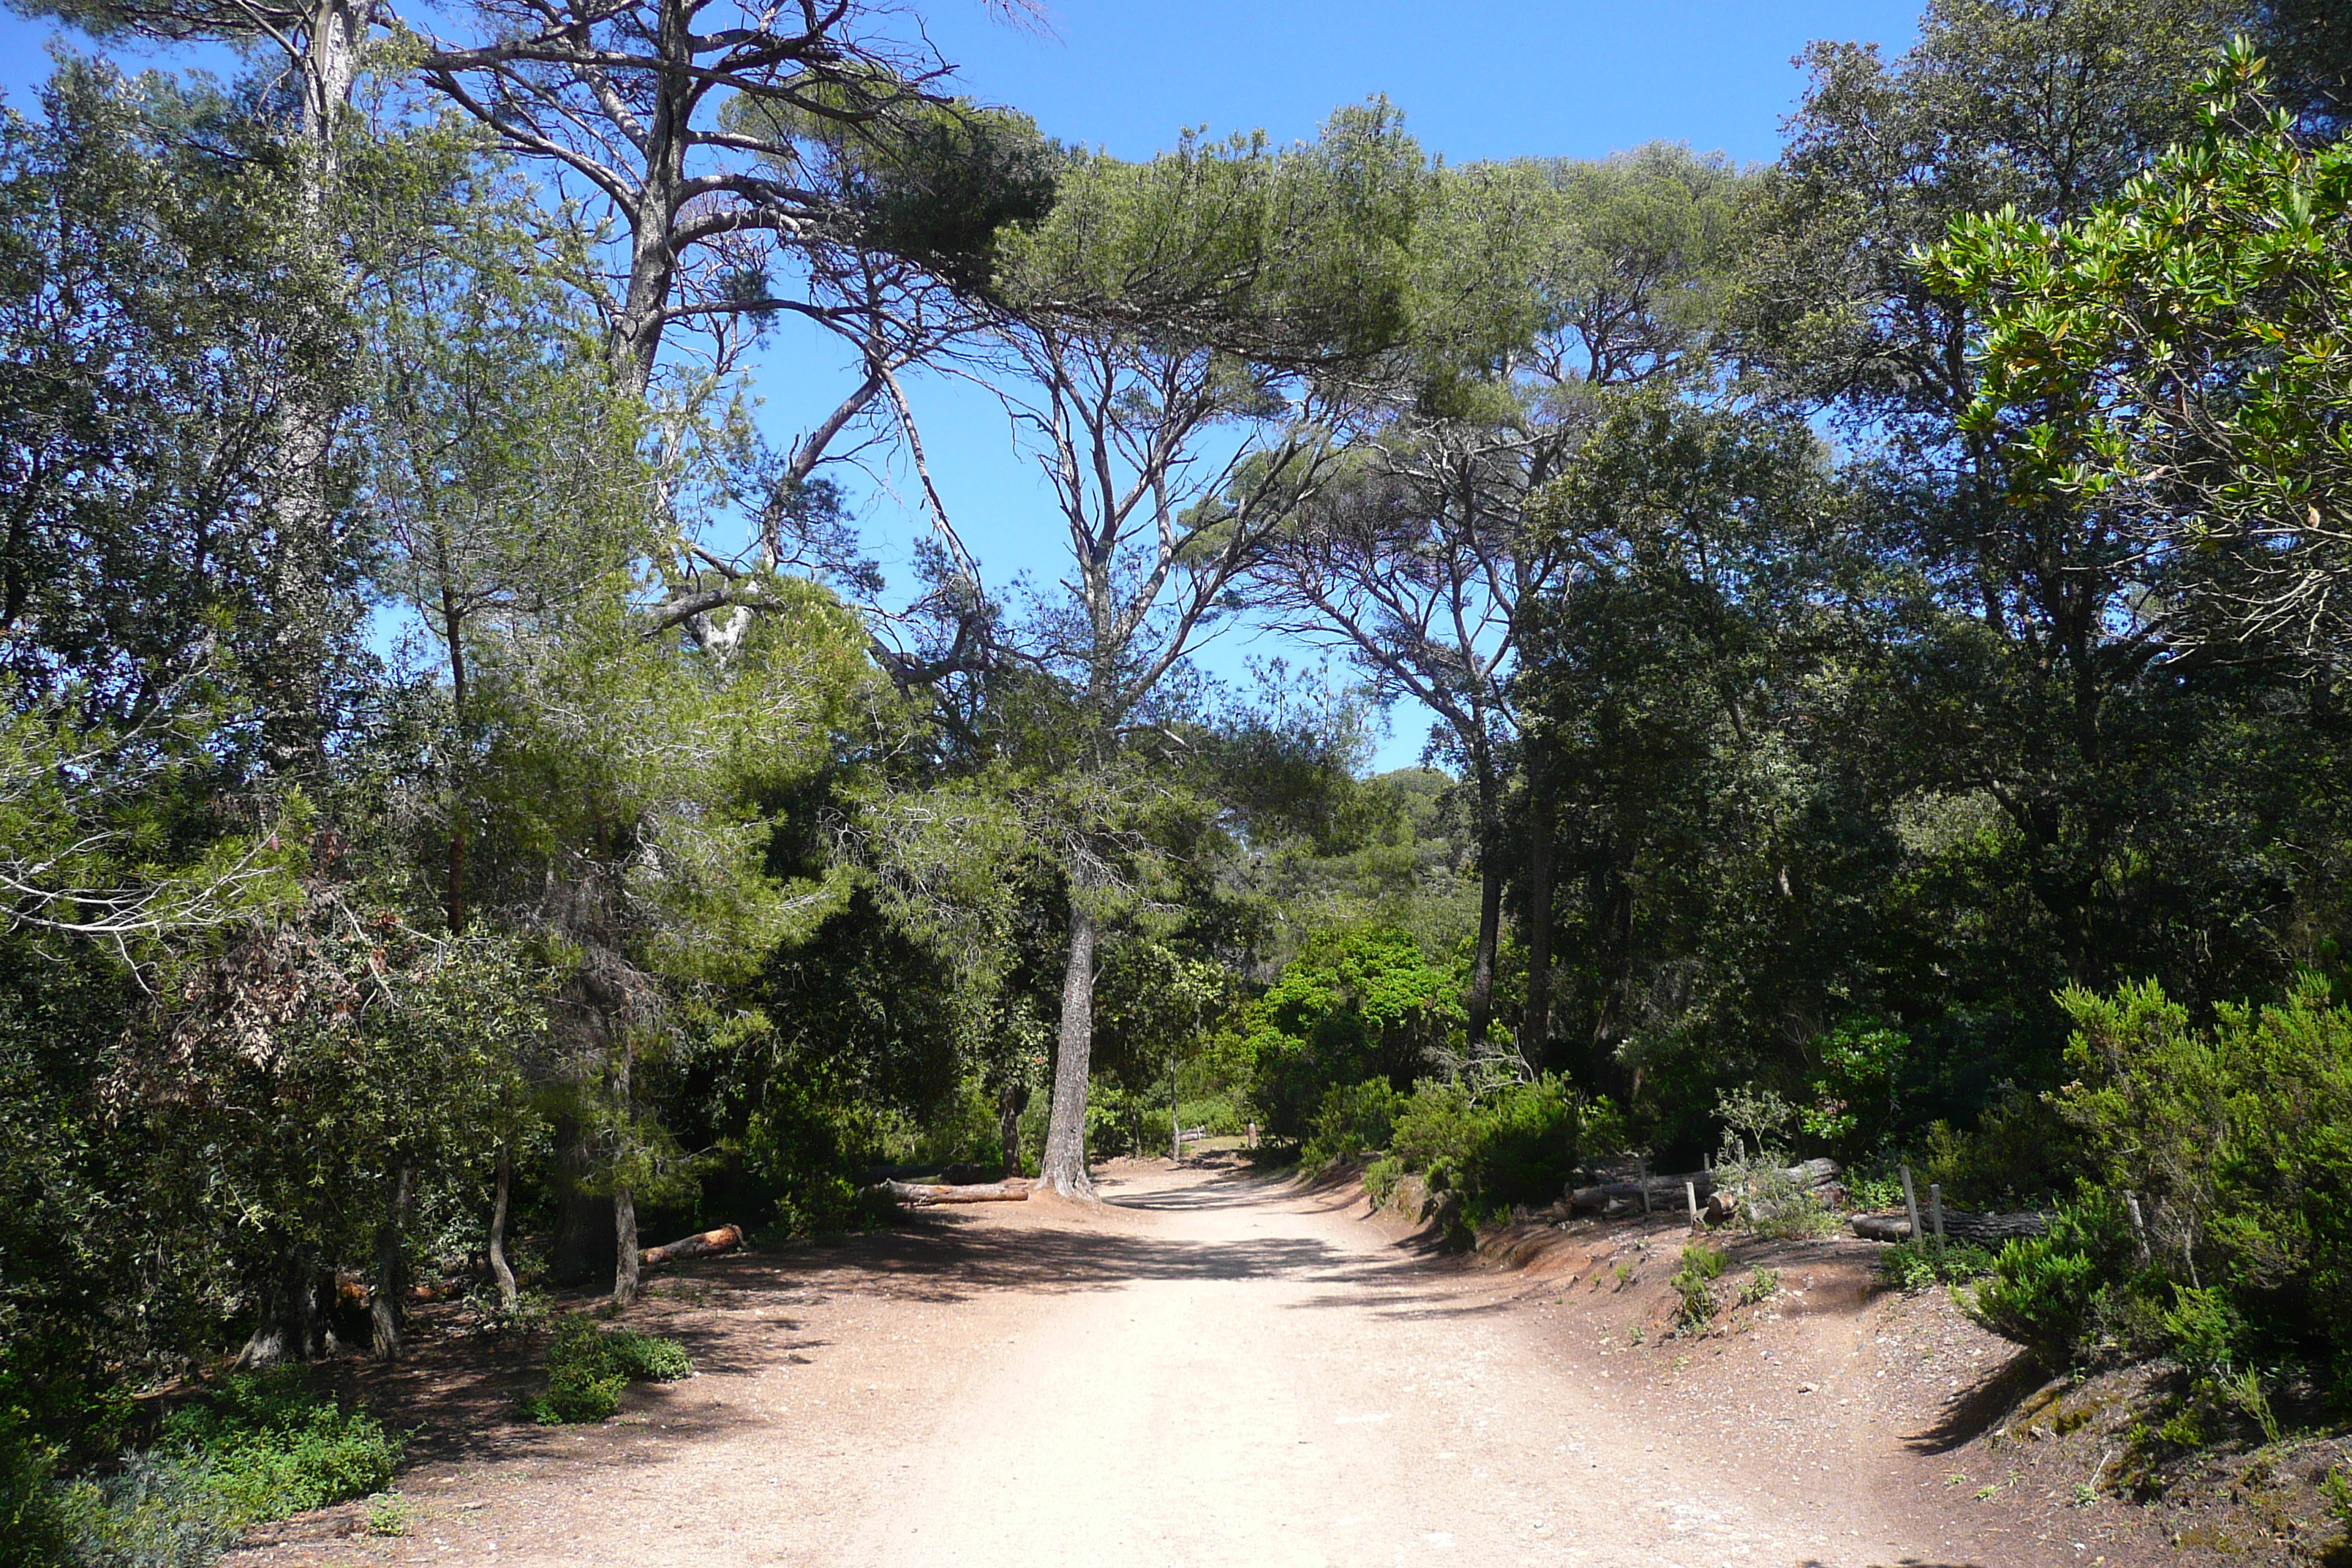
1218,1369
1293,1390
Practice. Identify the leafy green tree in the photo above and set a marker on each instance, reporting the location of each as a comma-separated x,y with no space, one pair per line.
2173,357
1354,1005
1536,288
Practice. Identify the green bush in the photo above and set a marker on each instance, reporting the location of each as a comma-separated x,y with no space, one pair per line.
2051,1294
587,1368
1517,1145
272,1448
31,1529
1351,1120
1357,1003
1910,1266
1694,1282
161,1510
2236,1142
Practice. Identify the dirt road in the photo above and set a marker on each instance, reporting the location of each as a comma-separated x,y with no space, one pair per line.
1213,1369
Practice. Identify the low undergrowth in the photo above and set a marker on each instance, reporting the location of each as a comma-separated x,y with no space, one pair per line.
588,1366
260,1448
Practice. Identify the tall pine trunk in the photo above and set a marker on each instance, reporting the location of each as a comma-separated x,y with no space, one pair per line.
1480,1003
1535,1029
1064,1167
624,1201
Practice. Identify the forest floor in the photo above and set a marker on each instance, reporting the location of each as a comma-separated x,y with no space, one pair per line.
1216,1366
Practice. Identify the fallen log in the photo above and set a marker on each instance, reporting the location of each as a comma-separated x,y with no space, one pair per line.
1990,1230
725,1239
1666,1193
1013,1189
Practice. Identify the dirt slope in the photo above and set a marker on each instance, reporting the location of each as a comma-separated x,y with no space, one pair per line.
1219,1368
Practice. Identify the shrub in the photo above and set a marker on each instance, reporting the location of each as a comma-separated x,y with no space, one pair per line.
31,1531
271,1448
1702,1266
2236,1142
2049,1293
1519,1145
587,1368
161,1510
1912,1266
1352,1119
1762,1285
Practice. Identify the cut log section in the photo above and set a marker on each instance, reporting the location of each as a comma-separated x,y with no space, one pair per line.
1012,1190
1973,1229
726,1238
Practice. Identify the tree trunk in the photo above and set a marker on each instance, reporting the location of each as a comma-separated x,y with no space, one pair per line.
1480,1003
453,632
1064,1167
625,1237
1535,1029
385,1302
292,1327
1011,1100
624,1203
500,1270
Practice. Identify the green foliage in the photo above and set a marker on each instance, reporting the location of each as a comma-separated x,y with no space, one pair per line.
2175,352
269,1448
1351,1120
1694,1284
588,1366
1913,1265
160,1510
1857,1092
1761,1286
2053,1293
1354,1005
387,1514
31,1528
2237,1143
1519,1145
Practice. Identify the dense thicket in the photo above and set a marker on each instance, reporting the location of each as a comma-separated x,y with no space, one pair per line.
466,797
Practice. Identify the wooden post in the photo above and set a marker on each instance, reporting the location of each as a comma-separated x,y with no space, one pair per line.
1911,1205
1642,1179
1936,1212
1690,1196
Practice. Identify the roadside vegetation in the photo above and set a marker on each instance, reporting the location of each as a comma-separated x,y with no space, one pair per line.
471,805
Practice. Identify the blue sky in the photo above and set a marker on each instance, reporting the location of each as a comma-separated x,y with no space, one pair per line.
1485,80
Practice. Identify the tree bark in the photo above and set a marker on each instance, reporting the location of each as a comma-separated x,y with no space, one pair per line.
500,1272
1009,1101
1013,1189
385,1301
1064,1167
624,1203
704,1244
625,1237
1535,1029
1480,1003
291,1326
